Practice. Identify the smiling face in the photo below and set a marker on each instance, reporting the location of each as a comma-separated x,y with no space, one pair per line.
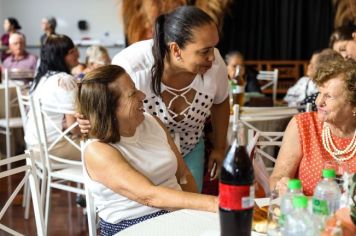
129,110
198,55
333,105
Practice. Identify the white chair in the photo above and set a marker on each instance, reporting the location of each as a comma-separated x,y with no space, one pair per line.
271,80
57,178
9,122
26,104
91,209
29,170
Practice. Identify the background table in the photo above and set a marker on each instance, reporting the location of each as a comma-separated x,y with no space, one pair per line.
179,223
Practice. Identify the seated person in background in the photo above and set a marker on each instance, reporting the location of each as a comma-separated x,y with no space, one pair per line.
234,59
313,138
54,85
305,85
11,25
133,167
77,71
19,58
350,47
48,26
96,56
340,37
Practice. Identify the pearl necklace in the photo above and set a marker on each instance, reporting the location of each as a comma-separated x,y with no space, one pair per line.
330,146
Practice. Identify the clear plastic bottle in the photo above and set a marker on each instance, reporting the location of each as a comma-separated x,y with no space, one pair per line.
300,222
326,199
294,189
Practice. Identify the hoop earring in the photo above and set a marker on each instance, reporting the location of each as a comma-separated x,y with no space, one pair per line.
179,58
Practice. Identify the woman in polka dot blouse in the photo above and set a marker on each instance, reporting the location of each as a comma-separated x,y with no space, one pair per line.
185,80
328,135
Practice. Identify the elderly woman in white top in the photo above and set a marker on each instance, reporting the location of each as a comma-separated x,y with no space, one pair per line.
133,167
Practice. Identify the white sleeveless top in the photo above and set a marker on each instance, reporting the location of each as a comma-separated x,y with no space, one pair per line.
149,153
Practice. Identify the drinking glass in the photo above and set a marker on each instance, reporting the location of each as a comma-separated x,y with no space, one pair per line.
341,172
274,212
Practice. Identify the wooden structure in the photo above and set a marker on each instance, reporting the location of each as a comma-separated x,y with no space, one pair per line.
288,72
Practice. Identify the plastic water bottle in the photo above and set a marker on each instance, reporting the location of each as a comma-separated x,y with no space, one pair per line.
294,189
326,199
300,222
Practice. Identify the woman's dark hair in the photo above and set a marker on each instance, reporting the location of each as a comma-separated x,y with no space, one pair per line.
14,23
176,26
342,33
52,22
53,54
97,100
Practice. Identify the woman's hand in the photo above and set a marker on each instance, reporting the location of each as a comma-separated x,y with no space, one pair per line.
84,124
282,186
215,160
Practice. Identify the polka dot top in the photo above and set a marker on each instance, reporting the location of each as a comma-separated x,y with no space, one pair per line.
210,88
314,153
191,127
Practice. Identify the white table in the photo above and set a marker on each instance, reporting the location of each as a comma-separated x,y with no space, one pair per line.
179,223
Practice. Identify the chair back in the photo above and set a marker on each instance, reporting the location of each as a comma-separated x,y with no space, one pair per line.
91,209
44,116
9,75
269,79
28,169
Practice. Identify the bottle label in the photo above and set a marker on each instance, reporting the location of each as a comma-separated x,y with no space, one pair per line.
320,207
232,197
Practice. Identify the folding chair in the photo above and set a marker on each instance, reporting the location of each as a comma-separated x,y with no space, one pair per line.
9,122
57,178
29,170
270,79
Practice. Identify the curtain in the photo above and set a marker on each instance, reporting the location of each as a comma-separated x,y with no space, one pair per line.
277,29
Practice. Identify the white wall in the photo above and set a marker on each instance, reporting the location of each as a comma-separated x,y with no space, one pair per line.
102,16
1,16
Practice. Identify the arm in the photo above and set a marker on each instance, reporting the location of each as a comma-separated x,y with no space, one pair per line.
108,162
220,114
184,176
69,120
288,159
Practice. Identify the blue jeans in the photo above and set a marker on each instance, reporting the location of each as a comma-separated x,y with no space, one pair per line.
195,162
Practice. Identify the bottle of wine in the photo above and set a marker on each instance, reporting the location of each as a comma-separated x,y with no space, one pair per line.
236,187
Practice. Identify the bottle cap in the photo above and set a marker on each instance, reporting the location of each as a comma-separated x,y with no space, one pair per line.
294,184
329,173
300,202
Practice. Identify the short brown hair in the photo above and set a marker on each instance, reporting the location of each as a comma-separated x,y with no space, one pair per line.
329,69
97,101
